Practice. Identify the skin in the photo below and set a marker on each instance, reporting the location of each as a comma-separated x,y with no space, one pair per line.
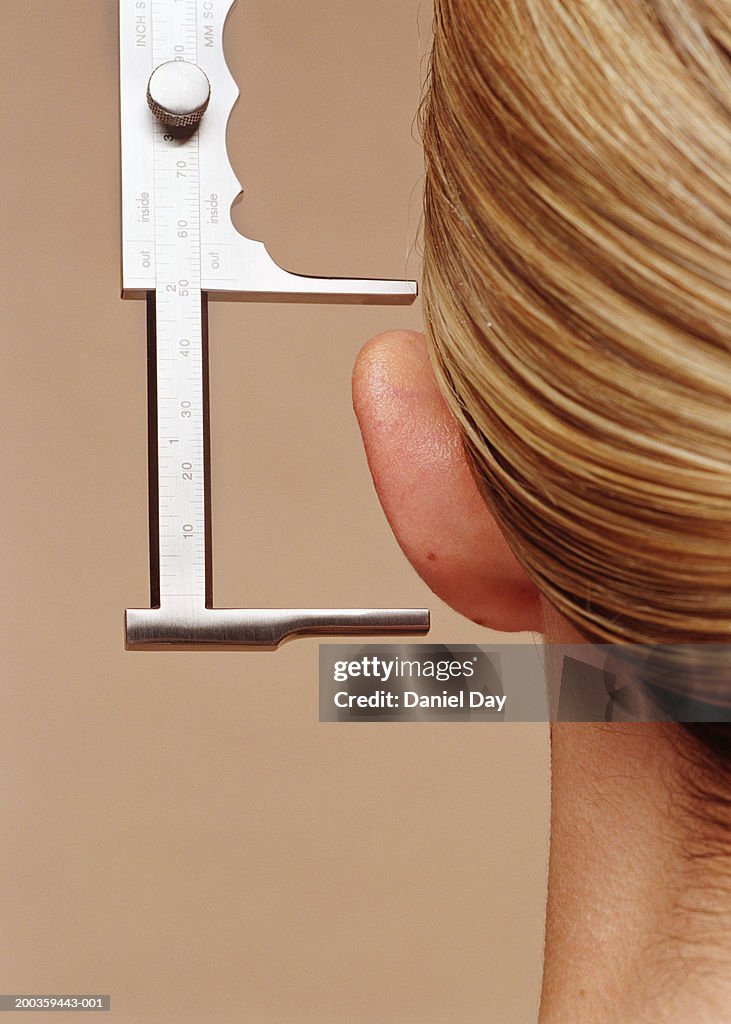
636,929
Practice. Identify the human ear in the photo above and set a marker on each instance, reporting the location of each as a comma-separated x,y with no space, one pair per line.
427,490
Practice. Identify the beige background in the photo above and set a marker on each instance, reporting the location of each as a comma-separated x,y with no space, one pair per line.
177,828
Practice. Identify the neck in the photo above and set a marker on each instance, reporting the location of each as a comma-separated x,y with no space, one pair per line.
638,918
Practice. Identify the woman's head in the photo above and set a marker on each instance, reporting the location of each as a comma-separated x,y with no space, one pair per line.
577,273
577,264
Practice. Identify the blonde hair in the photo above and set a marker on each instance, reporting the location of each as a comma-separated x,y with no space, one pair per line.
577,261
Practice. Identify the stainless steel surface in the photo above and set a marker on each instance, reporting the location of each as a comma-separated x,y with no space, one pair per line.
177,624
180,245
232,266
178,93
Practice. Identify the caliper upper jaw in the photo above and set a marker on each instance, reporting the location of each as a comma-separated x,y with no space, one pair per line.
232,265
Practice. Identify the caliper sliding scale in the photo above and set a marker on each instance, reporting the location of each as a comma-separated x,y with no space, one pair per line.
179,249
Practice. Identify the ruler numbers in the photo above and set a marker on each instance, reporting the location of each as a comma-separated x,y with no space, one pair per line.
180,407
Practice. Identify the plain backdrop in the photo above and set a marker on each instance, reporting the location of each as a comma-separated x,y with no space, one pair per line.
177,829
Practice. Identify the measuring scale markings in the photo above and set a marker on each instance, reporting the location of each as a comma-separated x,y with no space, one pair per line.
179,331
178,251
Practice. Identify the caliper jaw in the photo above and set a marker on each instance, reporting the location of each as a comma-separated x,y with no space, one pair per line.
260,628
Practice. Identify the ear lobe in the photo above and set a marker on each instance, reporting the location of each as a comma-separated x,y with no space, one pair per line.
427,491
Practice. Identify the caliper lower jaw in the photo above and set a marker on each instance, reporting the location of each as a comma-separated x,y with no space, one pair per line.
191,626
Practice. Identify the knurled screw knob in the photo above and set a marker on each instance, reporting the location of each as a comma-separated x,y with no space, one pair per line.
178,93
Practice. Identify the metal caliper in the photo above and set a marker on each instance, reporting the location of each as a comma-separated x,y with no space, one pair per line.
179,249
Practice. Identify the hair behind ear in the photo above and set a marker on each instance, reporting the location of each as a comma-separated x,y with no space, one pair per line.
577,261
